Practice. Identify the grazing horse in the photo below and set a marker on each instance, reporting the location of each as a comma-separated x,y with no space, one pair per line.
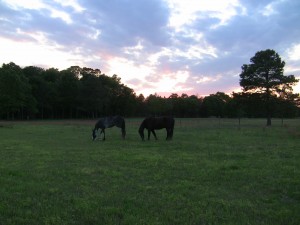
108,122
155,123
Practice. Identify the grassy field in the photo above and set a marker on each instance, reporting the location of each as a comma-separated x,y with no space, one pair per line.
212,172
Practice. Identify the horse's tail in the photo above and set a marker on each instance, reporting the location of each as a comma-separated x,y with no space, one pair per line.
172,121
123,129
141,129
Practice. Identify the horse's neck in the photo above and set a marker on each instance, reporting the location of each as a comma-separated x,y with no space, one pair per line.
100,124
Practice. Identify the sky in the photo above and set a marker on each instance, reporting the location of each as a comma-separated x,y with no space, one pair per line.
196,47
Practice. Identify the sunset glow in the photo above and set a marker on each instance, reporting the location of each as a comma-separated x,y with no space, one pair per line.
154,46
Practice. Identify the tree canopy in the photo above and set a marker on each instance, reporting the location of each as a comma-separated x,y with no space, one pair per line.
36,93
264,77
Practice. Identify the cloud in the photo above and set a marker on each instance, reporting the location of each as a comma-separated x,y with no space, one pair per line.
196,47
124,23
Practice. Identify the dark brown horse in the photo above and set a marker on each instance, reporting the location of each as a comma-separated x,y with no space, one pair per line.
156,123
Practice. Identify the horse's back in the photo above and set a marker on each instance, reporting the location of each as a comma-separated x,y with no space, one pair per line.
119,121
110,121
159,122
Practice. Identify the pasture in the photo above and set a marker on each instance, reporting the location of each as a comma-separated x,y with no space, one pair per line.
212,172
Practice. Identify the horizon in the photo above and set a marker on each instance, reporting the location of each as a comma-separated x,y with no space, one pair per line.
154,46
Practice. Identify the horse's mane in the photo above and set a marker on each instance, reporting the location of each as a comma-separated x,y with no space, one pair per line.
142,126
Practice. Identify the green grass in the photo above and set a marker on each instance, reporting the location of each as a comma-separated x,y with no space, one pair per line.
212,172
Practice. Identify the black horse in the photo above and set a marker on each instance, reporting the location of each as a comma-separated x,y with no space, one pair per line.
108,122
155,123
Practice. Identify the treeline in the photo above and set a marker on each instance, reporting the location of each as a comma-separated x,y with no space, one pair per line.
36,93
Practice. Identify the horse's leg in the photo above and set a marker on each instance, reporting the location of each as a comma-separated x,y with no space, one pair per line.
154,134
120,122
123,129
168,134
103,131
95,133
99,133
123,133
149,131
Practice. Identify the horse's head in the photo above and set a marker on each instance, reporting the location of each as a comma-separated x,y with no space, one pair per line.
94,134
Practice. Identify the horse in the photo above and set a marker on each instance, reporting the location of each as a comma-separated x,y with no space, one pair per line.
155,123
108,122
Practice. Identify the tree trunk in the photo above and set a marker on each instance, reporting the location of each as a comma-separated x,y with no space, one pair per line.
268,113
268,104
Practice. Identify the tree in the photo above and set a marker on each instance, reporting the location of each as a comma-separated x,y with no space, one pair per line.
38,87
192,104
154,104
52,77
68,89
140,107
15,91
264,76
92,93
215,104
